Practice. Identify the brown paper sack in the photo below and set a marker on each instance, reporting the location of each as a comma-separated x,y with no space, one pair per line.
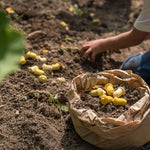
130,129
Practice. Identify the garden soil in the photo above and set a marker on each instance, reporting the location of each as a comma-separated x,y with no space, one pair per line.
33,115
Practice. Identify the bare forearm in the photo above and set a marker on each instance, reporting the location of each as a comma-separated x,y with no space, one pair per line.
147,37
127,39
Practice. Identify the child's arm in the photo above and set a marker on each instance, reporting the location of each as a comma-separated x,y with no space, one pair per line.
147,37
124,40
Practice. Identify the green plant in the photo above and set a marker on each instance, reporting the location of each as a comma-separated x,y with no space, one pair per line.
1,144
59,105
89,58
11,46
66,39
81,12
78,11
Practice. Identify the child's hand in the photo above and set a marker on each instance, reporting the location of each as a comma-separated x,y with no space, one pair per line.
93,48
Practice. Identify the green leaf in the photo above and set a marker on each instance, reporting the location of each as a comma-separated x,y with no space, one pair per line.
58,106
89,58
64,108
78,11
25,98
97,71
36,94
11,47
1,144
68,39
51,98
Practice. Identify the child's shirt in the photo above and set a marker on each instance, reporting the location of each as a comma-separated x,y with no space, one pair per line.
142,23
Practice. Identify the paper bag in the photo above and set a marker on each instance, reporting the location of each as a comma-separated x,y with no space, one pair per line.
130,129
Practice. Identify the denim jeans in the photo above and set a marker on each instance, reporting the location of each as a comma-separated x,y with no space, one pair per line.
139,64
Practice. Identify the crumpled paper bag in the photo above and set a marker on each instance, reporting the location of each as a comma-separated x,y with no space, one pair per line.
130,129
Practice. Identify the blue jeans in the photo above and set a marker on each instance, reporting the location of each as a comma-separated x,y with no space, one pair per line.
139,64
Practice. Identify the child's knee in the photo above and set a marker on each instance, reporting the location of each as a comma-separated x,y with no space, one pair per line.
132,63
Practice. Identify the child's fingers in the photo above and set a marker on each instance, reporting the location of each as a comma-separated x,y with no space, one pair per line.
93,56
84,47
87,53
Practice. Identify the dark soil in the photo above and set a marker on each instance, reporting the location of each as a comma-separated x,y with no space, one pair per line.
29,118
88,102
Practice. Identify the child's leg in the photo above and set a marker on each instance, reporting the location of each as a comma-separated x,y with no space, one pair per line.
139,64
145,67
132,63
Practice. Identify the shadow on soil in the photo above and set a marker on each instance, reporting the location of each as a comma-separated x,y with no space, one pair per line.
70,138
96,9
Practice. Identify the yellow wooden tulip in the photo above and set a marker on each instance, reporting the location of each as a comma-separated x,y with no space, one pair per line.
31,55
106,99
22,60
10,10
96,21
64,24
119,101
119,92
32,69
42,59
42,78
61,80
109,88
97,92
46,67
38,72
56,66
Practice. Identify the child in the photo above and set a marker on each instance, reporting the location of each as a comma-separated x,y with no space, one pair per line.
140,63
